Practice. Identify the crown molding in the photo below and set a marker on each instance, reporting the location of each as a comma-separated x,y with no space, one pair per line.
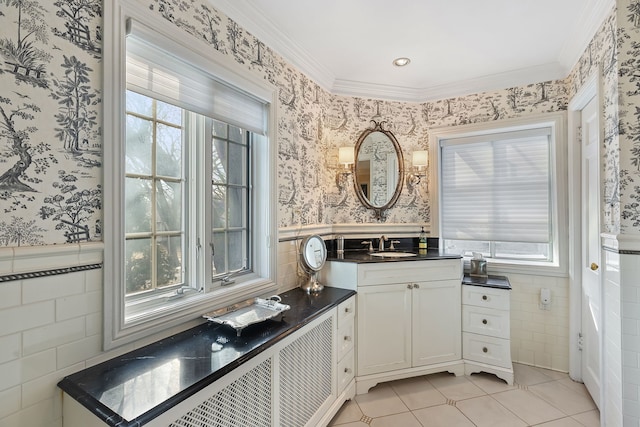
588,24
524,76
249,17
252,20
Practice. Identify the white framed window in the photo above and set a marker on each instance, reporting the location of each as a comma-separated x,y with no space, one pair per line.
501,191
189,177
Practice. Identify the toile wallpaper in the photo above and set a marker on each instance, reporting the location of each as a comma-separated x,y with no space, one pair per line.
51,136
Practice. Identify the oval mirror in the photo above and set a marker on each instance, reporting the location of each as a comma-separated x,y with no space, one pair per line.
378,169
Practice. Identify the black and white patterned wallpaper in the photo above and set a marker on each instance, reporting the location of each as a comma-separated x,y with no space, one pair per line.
51,136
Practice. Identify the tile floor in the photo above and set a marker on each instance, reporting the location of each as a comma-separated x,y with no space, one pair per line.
539,397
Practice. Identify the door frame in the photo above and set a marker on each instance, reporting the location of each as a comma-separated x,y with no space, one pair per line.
592,87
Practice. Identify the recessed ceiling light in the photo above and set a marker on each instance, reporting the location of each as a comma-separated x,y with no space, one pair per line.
401,62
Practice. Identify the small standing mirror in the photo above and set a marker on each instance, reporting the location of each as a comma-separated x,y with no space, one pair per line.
313,254
379,169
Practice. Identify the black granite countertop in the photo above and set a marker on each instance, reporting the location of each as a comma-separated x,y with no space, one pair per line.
360,256
498,282
134,388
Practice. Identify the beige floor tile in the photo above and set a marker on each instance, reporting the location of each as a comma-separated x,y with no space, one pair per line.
589,418
490,383
406,419
356,424
562,422
529,375
554,375
575,386
528,407
442,416
349,413
487,412
568,399
418,393
455,388
380,401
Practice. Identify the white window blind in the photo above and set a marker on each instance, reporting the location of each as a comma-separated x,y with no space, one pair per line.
497,187
157,73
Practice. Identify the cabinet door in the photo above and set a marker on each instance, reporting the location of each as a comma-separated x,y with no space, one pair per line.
384,328
437,322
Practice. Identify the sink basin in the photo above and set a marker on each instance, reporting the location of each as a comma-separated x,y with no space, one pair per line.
393,254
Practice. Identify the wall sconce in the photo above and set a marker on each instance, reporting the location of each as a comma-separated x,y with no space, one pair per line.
346,159
419,162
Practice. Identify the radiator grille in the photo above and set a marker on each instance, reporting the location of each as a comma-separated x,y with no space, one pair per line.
245,402
306,375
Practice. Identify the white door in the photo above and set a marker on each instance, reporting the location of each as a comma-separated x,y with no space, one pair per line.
591,288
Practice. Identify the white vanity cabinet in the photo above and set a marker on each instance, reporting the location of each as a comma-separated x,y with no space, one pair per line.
408,321
486,331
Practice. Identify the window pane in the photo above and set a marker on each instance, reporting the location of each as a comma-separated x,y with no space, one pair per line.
235,134
139,145
219,129
138,205
219,161
237,158
467,247
237,207
139,104
169,113
219,253
137,265
169,206
531,251
169,151
169,267
236,250
219,206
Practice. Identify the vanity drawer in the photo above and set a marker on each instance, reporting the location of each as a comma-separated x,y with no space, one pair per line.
409,272
485,297
485,349
485,321
346,338
346,371
346,311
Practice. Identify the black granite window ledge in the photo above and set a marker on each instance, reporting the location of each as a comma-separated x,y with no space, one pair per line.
304,309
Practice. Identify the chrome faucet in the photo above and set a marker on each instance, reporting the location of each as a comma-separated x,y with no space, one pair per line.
383,238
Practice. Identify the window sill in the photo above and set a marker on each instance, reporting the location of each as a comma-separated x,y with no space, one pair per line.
161,318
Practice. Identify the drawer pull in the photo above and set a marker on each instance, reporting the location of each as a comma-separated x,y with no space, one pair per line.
484,321
484,297
485,349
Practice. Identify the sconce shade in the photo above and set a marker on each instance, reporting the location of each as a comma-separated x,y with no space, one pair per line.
345,155
419,158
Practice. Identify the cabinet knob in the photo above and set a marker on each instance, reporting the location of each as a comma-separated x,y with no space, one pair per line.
409,286
416,286
347,310
484,321
347,370
485,349
484,297
347,338
594,266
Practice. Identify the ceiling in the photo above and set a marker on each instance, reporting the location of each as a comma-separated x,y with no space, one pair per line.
456,47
